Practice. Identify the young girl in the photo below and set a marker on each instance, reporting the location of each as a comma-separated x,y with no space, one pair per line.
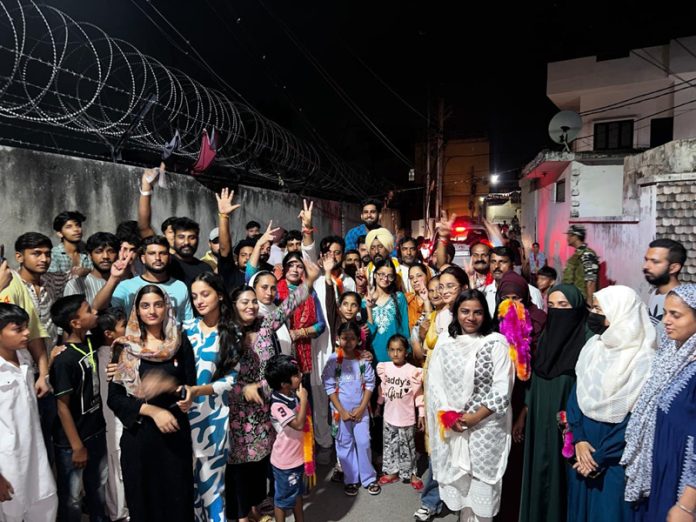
400,389
387,310
349,381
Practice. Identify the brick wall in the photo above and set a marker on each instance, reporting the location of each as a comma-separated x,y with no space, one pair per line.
676,219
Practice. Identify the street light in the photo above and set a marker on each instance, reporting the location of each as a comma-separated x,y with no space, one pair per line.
494,179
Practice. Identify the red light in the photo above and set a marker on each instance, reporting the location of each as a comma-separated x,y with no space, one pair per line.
460,229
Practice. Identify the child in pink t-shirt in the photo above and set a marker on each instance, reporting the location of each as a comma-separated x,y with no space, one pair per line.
288,415
401,392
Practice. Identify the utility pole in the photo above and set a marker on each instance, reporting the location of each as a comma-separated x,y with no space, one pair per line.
440,163
428,193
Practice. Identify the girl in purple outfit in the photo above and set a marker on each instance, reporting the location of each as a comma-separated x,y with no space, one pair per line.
349,381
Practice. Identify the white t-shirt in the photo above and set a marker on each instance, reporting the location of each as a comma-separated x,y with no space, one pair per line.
656,305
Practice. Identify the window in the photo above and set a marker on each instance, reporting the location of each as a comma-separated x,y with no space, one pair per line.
661,131
613,135
560,191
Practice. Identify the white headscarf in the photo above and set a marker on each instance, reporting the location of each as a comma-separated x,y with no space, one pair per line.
282,333
612,367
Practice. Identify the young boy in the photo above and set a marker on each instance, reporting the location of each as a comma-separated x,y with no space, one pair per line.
27,488
79,437
112,325
288,417
545,280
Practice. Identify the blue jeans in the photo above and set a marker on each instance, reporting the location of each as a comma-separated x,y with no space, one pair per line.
430,497
70,482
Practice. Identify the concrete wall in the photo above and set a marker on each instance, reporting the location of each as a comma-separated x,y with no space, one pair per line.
35,186
596,190
669,172
500,213
619,239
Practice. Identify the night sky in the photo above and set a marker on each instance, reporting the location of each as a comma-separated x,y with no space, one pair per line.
488,60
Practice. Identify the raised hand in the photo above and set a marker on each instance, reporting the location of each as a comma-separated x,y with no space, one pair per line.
224,202
149,177
120,266
311,270
305,214
444,226
269,235
328,263
5,275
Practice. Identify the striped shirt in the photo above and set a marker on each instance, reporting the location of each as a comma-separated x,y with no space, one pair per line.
50,290
88,285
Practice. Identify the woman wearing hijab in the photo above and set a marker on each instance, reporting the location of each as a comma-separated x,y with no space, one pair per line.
544,475
661,435
156,453
522,335
265,285
611,370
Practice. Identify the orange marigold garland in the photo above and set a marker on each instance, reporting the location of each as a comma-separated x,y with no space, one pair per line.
516,326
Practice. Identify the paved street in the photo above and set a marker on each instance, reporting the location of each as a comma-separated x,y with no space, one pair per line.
328,503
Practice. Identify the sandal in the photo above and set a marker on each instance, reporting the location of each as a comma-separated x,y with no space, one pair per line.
350,489
416,483
374,489
386,479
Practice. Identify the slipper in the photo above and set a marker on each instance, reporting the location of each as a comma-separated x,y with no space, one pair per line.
386,479
374,489
351,490
417,484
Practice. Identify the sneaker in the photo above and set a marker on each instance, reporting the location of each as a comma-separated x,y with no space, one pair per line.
424,514
337,475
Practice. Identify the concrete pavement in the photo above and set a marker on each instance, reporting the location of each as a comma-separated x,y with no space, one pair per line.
396,503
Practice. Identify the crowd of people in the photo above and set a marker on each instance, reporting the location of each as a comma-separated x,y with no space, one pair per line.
139,382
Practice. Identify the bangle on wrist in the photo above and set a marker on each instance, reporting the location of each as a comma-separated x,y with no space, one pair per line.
306,230
686,509
145,192
222,215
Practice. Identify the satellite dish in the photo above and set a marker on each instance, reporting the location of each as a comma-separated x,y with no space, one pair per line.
565,127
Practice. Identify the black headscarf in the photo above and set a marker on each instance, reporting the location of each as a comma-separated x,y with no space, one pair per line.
564,336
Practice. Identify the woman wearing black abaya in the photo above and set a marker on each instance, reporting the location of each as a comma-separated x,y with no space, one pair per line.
513,287
544,489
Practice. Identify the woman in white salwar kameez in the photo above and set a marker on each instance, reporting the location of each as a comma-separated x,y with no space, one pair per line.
470,380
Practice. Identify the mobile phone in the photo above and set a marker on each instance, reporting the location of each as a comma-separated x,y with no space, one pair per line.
116,353
2,253
183,392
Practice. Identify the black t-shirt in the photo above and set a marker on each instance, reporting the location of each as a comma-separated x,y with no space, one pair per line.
75,373
187,271
230,273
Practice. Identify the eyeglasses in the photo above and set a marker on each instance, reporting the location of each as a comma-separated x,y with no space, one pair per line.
388,277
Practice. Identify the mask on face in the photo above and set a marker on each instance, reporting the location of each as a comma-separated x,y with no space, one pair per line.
595,322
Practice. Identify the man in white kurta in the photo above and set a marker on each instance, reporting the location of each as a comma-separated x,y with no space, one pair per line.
23,460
